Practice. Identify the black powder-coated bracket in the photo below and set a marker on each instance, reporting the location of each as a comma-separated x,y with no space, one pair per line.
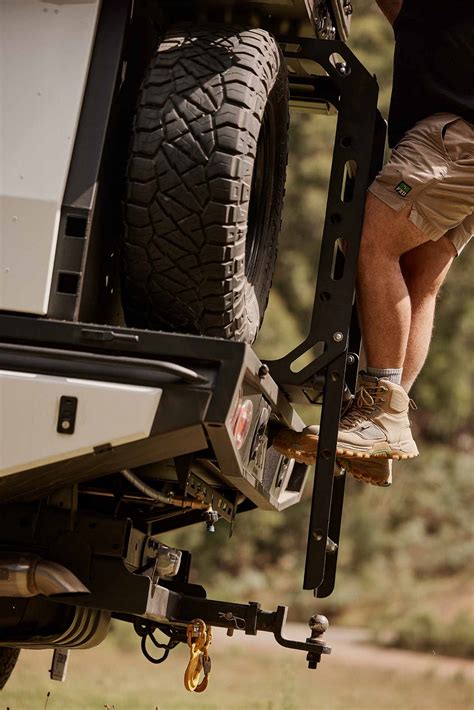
334,333
352,92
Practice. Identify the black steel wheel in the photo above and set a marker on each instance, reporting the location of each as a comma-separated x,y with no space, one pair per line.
205,183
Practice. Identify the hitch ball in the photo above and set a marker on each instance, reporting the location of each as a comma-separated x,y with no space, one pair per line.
318,624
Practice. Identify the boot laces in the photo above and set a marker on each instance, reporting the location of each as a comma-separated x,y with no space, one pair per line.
366,402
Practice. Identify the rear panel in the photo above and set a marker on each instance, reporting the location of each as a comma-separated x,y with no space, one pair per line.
46,419
43,94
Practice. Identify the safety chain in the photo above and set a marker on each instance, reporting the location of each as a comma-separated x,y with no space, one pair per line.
147,632
199,638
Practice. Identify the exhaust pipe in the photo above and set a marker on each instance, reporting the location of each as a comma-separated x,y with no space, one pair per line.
29,575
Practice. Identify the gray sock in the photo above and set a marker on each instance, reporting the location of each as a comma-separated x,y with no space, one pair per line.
391,374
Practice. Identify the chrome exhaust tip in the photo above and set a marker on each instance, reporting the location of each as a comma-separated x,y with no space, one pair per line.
27,575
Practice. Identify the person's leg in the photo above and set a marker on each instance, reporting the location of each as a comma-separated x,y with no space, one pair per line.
424,270
411,202
377,424
383,298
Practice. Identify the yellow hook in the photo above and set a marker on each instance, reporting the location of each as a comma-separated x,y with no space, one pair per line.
199,637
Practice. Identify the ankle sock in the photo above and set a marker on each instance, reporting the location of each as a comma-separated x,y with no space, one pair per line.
391,374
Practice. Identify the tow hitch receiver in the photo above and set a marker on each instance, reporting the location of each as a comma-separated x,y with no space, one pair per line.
249,618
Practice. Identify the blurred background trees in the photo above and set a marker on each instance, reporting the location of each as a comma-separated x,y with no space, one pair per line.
406,552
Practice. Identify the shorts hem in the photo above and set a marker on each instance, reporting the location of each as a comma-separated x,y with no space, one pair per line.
376,189
458,242
416,218
397,204
430,231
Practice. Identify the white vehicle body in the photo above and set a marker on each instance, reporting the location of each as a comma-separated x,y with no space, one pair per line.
41,98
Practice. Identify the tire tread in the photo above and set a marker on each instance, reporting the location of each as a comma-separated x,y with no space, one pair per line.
189,181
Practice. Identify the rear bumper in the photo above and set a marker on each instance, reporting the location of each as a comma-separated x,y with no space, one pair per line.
131,398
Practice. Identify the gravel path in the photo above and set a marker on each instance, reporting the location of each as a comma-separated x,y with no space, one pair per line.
352,647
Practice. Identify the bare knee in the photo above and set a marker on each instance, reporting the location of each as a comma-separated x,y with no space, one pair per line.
424,268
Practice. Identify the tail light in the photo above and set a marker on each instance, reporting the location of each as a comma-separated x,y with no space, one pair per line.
241,421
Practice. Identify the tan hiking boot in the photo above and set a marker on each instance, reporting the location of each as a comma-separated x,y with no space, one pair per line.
376,425
287,440
298,445
377,472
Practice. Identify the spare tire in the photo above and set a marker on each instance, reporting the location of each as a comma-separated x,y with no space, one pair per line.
205,183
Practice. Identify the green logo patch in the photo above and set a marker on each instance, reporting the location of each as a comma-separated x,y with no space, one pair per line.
403,189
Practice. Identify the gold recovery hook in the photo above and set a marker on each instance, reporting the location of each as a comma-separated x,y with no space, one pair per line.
199,637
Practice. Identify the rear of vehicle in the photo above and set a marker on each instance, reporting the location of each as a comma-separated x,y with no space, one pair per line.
143,172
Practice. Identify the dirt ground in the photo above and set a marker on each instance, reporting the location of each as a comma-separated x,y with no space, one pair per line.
247,672
351,646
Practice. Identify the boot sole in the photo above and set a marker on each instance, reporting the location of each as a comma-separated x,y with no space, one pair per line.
376,454
369,479
306,451
309,459
381,481
372,481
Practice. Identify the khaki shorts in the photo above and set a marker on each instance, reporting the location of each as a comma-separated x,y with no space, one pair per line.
432,169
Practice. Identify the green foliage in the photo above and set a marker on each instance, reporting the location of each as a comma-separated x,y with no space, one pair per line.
372,42
444,391
423,631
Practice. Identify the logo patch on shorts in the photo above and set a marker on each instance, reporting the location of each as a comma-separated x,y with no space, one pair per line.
403,189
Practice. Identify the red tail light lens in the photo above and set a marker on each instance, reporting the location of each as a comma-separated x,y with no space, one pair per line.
242,420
